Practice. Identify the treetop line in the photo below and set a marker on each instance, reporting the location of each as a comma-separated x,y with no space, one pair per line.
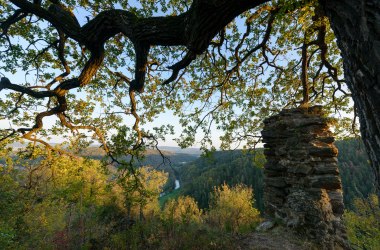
200,27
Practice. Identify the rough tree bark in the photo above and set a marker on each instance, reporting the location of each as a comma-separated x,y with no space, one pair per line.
356,24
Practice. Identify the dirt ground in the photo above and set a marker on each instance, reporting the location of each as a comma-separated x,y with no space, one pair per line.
276,239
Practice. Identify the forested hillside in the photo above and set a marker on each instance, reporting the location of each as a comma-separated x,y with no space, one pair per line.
200,175
52,201
232,167
62,202
356,173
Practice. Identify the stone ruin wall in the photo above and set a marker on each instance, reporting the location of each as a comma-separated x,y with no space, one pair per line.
302,184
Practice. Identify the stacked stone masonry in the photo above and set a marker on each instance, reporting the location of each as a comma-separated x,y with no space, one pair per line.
302,184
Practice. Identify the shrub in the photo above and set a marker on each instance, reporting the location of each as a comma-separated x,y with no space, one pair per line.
363,224
183,210
231,209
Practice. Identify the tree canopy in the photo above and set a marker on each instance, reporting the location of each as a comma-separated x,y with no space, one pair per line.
94,63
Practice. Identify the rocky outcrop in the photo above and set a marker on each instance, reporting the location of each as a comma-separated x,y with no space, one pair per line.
302,184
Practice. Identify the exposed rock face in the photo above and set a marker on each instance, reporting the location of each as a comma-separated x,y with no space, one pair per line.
302,183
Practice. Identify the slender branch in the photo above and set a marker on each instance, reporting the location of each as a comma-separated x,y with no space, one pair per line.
304,74
6,84
16,17
189,57
97,131
55,15
136,116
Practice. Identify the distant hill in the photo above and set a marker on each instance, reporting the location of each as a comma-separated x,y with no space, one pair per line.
173,157
96,150
178,150
357,176
198,178
199,175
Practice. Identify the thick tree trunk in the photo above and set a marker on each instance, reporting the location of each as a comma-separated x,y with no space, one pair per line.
356,24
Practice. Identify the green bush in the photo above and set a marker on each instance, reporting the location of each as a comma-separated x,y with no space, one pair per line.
231,209
183,210
363,224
